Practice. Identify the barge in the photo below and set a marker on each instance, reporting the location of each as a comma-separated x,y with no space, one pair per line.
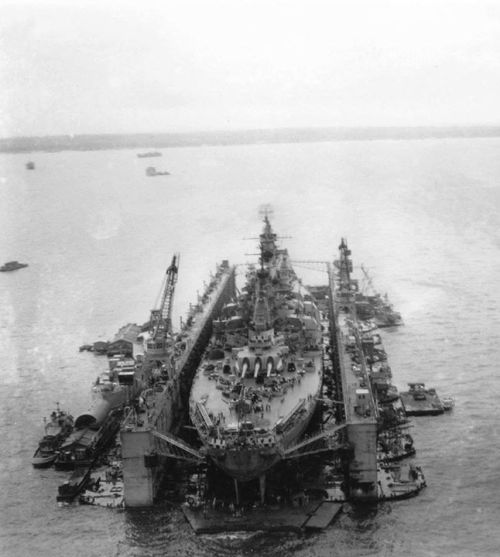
419,401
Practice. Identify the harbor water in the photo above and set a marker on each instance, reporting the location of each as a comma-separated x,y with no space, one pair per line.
422,215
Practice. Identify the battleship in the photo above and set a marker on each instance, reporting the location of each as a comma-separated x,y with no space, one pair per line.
256,388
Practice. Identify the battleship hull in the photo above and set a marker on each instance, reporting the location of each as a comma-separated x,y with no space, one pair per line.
257,386
247,461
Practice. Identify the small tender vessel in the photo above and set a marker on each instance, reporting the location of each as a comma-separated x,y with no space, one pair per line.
12,266
448,403
57,430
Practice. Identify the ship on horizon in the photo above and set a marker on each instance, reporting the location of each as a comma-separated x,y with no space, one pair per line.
149,154
256,388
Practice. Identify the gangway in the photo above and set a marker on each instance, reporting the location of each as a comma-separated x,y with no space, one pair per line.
175,448
329,443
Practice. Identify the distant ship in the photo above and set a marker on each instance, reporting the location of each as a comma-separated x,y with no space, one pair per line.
30,165
151,171
256,388
149,154
12,266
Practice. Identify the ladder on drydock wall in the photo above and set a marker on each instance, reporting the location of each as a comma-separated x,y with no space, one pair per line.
319,443
172,447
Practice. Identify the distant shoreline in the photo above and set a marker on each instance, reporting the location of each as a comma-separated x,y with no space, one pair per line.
237,137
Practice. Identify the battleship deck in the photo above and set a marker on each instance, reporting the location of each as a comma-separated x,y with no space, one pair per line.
305,385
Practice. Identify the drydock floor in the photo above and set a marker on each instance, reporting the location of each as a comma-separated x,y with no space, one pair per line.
313,515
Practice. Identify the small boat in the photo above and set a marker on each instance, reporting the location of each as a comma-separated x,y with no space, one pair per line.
151,171
30,165
12,266
56,431
448,403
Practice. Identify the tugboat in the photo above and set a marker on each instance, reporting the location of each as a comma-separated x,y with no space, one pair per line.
12,266
258,382
56,431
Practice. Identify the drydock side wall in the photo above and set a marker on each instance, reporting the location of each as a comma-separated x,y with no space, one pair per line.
143,462
361,425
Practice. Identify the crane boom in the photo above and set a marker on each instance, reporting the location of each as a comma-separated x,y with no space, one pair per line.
161,318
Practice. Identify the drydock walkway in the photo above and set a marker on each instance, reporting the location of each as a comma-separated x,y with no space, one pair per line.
315,515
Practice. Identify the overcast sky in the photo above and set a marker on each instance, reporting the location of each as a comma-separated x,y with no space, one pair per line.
146,66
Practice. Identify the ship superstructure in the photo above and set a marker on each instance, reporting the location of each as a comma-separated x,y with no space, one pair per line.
256,388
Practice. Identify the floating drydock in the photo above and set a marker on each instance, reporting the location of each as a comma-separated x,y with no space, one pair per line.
287,388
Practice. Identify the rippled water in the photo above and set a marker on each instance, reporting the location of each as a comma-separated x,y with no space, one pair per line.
424,216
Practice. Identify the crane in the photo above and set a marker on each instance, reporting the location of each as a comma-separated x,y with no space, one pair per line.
160,323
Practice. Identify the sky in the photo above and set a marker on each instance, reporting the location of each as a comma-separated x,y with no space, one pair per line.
186,65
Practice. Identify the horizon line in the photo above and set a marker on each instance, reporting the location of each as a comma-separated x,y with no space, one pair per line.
260,129
248,136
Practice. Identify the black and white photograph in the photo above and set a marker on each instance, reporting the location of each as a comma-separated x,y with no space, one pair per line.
249,261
